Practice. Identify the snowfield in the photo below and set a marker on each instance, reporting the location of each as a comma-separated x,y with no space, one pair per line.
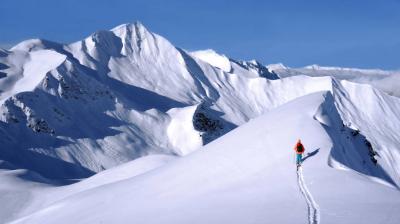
125,127
246,176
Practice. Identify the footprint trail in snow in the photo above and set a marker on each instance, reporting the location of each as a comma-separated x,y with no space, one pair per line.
312,206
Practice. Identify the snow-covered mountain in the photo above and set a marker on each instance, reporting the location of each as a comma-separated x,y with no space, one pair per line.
70,111
115,96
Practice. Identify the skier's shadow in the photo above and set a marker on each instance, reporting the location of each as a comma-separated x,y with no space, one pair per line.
310,154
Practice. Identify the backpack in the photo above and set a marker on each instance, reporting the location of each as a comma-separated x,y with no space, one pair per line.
300,148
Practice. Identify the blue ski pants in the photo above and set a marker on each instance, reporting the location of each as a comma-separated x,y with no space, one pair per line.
298,158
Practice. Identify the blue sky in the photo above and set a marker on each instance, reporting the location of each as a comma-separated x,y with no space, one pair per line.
350,33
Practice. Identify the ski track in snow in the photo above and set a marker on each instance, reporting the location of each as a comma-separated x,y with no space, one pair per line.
312,206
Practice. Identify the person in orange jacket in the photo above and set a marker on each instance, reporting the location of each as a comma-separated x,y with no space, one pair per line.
299,149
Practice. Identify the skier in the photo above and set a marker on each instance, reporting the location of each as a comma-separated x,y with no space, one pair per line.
299,148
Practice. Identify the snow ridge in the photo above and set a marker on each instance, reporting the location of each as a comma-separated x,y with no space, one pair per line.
384,80
312,206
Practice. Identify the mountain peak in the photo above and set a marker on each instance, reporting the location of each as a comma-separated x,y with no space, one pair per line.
130,26
131,29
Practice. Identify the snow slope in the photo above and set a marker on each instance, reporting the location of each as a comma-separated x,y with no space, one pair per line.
246,176
25,191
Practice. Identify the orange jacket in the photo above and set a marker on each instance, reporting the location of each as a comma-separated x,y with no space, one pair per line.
297,146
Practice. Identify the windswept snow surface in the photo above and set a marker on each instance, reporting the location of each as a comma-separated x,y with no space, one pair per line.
26,192
246,176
